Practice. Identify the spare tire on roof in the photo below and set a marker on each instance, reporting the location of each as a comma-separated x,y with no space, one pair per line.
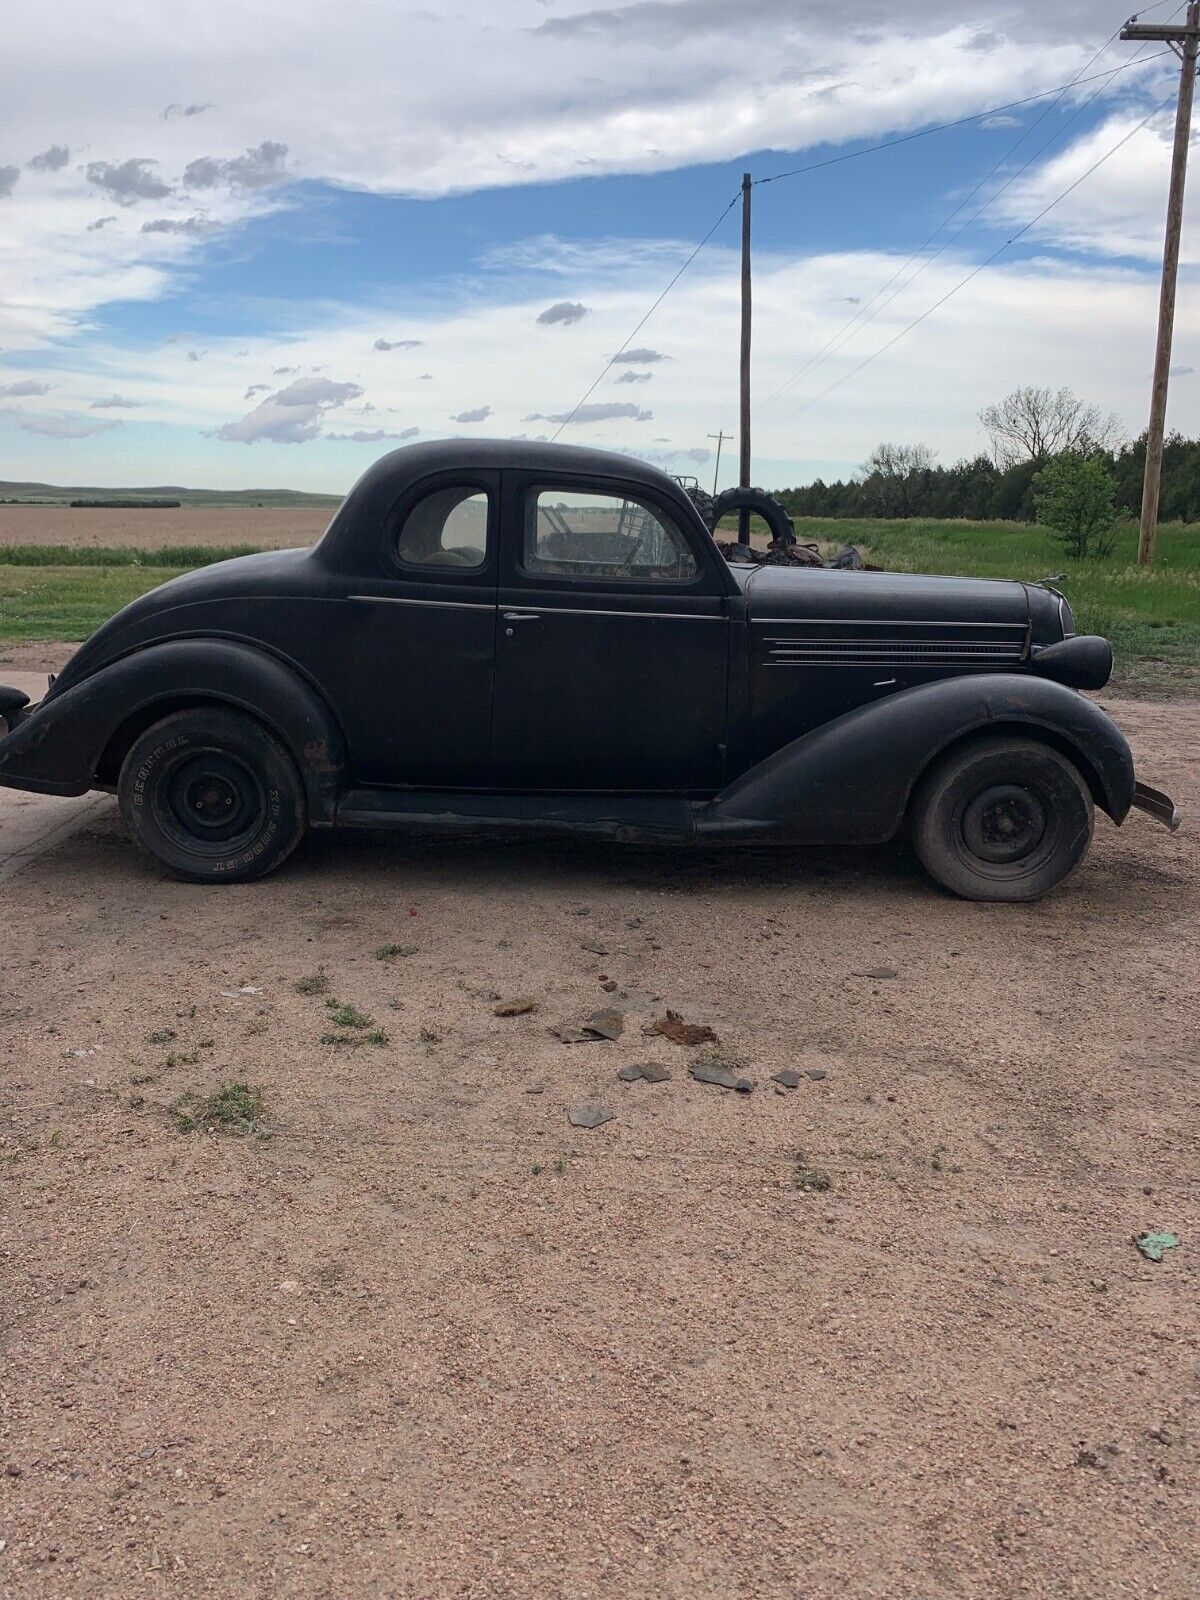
761,503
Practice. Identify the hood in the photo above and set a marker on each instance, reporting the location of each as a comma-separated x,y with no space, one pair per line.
140,621
819,594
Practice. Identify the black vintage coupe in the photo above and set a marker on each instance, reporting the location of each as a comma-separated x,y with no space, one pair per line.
502,634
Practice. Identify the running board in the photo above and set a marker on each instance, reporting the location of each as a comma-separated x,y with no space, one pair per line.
630,819
1157,805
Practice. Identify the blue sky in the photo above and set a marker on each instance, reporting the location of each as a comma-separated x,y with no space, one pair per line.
205,241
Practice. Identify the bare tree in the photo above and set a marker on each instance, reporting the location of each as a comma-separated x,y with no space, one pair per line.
897,460
1033,424
887,476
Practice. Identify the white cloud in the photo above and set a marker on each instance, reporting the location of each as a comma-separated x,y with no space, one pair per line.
51,160
1120,208
397,344
474,414
64,427
292,415
563,313
24,386
373,435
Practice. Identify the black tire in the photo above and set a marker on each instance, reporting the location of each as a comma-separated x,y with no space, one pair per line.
1002,819
783,531
703,503
213,796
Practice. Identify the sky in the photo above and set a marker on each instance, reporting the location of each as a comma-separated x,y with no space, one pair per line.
262,245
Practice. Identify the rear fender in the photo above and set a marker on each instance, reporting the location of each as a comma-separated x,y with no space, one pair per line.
60,747
852,778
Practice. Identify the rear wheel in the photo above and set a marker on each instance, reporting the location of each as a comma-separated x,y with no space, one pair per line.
1002,819
213,796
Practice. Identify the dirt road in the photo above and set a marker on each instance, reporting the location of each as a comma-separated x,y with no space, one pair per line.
268,527
423,1338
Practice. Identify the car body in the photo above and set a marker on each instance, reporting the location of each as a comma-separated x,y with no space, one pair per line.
506,634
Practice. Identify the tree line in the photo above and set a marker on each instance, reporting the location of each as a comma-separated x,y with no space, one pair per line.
1026,431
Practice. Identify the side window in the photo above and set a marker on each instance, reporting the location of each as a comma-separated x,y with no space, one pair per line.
446,528
571,533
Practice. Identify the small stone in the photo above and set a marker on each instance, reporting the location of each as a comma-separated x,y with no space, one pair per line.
649,1071
535,1088
609,986
722,1076
815,1073
607,1024
788,1078
568,1033
876,972
589,1116
519,1007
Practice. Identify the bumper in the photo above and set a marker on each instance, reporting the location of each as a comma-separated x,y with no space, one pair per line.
13,708
1157,805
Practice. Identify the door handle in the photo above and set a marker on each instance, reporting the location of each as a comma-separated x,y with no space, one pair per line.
517,616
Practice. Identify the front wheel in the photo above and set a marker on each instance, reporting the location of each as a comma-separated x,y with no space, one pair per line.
1002,819
212,795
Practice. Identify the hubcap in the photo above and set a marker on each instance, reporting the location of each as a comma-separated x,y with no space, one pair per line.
212,800
1003,823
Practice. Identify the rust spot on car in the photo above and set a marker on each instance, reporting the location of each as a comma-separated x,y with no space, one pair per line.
317,757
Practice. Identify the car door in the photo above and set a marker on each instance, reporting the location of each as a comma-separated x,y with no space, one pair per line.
612,641
420,653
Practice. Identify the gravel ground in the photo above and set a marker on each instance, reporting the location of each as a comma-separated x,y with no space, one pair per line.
415,1335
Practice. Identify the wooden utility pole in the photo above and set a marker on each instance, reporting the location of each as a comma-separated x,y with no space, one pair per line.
1184,39
744,438
720,438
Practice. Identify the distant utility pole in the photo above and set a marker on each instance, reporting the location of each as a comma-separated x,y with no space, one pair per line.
1184,39
744,439
720,438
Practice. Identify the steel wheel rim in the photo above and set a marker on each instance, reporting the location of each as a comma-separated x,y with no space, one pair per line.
210,802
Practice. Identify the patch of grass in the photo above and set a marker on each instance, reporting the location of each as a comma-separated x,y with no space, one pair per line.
352,1041
183,1059
160,1036
178,556
389,952
316,983
69,602
809,1179
237,1108
347,1016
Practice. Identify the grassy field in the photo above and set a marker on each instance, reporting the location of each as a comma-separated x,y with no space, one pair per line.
1152,617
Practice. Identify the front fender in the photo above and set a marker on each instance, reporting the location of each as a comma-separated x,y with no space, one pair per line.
852,778
57,748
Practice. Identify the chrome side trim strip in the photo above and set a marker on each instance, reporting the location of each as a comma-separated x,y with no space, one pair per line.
880,622
589,611
541,611
400,600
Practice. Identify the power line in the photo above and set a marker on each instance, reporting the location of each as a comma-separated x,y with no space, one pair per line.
815,166
962,122
618,353
974,273
870,311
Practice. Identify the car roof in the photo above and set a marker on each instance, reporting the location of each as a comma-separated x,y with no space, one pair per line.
377,491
